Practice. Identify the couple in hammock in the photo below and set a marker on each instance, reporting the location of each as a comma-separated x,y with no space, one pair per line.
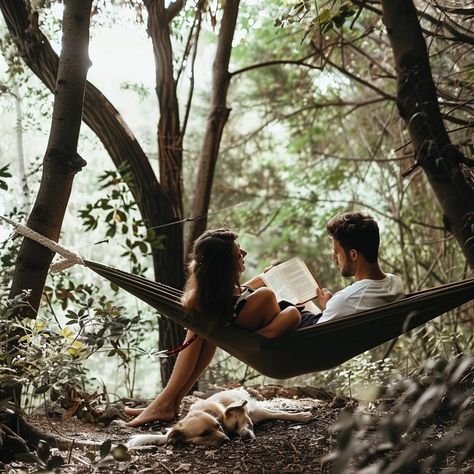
213,288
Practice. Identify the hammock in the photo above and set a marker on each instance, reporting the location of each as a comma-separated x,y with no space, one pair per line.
310,349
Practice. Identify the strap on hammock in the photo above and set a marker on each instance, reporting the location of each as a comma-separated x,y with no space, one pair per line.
177,350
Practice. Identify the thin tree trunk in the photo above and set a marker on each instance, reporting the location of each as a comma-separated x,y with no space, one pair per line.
170,152
19,146
216,120
449,172
61,161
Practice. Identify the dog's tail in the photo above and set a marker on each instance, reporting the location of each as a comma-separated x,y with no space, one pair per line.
146,439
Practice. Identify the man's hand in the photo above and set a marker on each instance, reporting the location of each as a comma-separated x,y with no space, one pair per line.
323,295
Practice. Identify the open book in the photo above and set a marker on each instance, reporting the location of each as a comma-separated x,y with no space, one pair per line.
291,281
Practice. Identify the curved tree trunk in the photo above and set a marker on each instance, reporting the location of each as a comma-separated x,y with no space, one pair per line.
450,174
61,161
99,114
216,120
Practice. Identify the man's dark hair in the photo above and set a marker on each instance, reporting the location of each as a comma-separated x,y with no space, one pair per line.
356,230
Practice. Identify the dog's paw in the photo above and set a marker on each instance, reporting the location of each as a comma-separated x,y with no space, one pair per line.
146,440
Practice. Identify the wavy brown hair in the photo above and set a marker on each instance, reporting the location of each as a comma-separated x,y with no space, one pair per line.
213,274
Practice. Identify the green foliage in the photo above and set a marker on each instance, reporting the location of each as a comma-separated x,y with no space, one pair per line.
9,250
49,357
405,438
331,14
139,89
361,377
4,173
118,213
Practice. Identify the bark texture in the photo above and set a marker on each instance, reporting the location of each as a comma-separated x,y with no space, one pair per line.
61,161
216,120
449,172
170,152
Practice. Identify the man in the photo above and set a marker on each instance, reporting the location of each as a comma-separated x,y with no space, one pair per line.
355,241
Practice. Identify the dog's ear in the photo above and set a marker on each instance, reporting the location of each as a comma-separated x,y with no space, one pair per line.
236,406
175,437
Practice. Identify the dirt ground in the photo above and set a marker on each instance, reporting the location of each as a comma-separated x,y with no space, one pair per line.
279,447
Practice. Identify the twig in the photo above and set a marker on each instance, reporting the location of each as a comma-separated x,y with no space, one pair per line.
70,451
165,467
15,436
50,422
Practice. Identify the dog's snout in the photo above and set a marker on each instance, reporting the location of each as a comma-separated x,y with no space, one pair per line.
222,440
248,434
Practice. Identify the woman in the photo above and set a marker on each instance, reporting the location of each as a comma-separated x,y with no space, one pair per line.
213,288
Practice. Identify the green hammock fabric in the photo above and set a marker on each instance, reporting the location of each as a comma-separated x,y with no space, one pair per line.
311,349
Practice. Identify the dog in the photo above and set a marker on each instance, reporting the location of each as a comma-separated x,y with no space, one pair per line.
213,421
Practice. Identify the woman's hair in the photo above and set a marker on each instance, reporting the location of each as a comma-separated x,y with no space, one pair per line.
213,274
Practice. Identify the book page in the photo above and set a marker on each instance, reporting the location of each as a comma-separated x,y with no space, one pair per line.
292,281
299,278
275,280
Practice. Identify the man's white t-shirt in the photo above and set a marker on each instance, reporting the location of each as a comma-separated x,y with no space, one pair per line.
362,295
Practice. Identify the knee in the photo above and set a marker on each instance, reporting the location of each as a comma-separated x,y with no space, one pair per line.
294,315
266,296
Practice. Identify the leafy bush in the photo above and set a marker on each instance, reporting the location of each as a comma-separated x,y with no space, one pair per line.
46,357
421,422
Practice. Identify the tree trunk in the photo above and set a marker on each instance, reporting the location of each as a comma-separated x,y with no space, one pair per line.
170,152
216,120
19,146
61,161
449,172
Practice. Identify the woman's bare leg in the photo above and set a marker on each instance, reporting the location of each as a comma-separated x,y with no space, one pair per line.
189,365
282,323
205,356
259,310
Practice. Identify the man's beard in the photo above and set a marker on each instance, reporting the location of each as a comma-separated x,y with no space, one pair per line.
347,270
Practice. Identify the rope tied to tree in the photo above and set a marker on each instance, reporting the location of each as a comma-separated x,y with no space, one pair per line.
70,258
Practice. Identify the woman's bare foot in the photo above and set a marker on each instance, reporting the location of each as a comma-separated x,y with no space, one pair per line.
156,411
132,411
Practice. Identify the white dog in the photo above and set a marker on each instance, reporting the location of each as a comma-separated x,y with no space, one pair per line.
212,421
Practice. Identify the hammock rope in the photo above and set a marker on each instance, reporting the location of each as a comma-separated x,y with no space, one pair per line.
70,258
